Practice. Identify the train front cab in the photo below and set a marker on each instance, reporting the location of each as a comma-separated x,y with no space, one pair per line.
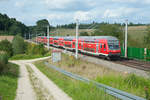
114,50
109,50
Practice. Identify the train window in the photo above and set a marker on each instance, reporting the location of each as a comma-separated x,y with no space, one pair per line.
100,45
79,44
74,43
113,47
104,45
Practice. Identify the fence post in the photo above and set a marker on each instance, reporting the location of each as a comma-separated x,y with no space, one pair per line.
145,53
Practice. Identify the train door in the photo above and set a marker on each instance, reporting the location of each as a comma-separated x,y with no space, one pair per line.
100,48
103,49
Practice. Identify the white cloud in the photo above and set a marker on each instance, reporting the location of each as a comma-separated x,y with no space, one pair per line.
146,1
19,4
119,12
57,3
82,16
128,1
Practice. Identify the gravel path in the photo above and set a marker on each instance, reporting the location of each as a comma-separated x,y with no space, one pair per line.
25,90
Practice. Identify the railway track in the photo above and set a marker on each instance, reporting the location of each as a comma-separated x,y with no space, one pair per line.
142,65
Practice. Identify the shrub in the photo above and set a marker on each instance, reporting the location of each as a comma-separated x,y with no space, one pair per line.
84,34
33,49
2,66
4,58
6,46
18,45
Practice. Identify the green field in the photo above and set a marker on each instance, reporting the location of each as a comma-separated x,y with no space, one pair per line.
8,82
136,34
70,32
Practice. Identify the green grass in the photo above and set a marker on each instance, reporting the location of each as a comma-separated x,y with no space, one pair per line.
130,83
75,89
8,82
70,32
26,57
126,82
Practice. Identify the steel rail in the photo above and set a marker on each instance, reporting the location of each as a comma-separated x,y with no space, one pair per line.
112,91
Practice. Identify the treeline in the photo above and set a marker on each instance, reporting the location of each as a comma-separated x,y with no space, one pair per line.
93,25
73,26
10,26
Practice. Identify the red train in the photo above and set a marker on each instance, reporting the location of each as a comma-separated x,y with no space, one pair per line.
107,46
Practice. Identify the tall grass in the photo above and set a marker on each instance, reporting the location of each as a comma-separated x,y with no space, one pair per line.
130,83
126,82
8,82
75,89
25,57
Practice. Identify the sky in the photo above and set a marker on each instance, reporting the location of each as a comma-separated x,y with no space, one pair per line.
67,11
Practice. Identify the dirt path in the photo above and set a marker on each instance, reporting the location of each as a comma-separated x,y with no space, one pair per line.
28,89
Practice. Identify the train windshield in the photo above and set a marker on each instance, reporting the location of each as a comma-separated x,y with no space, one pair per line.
113,45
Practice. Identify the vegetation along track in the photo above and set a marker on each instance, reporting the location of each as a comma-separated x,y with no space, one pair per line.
142,65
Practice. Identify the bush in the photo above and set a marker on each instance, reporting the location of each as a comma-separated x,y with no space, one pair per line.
84,34
4,58
3,61
18,45
2,66
33,49
6,46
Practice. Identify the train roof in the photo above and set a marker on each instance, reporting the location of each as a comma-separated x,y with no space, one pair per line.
86,38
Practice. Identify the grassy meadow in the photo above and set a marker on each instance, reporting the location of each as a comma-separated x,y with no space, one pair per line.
8,82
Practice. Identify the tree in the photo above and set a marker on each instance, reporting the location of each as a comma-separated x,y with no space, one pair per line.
18,45
147,38
11,26
84,34
109,30
6,46
14,29
42,25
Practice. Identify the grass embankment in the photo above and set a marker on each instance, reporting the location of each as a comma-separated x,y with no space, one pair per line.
123,81
75,89
27,57
8,82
